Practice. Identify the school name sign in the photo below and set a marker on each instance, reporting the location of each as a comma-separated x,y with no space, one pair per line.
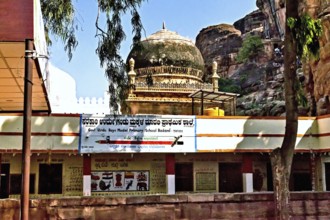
142,133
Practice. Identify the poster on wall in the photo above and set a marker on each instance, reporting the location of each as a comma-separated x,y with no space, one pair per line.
141,133
110,181
206,181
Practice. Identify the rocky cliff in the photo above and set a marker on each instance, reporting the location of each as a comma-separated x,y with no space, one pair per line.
260,83
220,43
317,73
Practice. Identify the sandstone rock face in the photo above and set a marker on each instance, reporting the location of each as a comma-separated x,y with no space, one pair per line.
261,89
219,43
261,84
274,12
251,22
321,69
316,73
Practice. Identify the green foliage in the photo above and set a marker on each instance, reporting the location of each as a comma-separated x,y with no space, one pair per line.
228,85
110,40
252,46
59,21
307,32
301,98
59,18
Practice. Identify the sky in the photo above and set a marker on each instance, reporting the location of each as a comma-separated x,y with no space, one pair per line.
186,17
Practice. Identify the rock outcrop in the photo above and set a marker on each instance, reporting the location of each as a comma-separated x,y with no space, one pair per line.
252,22
219,43
318,72
261,83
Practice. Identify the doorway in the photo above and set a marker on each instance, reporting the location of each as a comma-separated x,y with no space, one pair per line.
230,177
327,176
184,177
50,178
4,183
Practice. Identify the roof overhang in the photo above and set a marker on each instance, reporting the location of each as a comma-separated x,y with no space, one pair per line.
22,22
12,61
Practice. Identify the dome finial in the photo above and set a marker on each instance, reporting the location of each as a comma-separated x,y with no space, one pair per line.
131,64
164,28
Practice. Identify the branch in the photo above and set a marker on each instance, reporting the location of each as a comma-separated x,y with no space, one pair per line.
97,24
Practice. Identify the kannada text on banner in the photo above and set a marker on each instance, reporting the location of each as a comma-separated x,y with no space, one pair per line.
141,133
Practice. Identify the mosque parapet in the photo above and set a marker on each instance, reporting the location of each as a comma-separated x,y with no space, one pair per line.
169,70
141,86
85,105
88,105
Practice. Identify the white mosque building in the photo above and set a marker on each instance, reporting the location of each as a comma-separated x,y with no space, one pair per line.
63,97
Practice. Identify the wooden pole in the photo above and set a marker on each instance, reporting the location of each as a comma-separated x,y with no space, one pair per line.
26,152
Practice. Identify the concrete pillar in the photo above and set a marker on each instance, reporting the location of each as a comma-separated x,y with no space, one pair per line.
87,175
247,182
247,172
170,174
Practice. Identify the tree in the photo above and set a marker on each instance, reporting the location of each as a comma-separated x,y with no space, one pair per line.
296,45
252,46
60,21
281,158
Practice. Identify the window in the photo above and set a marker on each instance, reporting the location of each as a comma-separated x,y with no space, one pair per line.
50,178
300,181
16,183
184,177
301,177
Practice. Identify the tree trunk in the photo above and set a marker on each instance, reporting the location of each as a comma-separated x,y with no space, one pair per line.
281,177
281,158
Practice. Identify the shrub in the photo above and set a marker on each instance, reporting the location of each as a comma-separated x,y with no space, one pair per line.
252,46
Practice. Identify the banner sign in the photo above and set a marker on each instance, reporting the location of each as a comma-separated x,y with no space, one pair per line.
141,133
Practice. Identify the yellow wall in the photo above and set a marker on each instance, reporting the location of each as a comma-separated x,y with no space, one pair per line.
205,170
72,179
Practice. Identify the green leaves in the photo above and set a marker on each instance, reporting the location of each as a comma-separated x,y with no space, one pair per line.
60,21
110,40
229,85
307,32
252,46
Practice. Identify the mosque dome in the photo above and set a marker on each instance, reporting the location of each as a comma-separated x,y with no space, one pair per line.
166,48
